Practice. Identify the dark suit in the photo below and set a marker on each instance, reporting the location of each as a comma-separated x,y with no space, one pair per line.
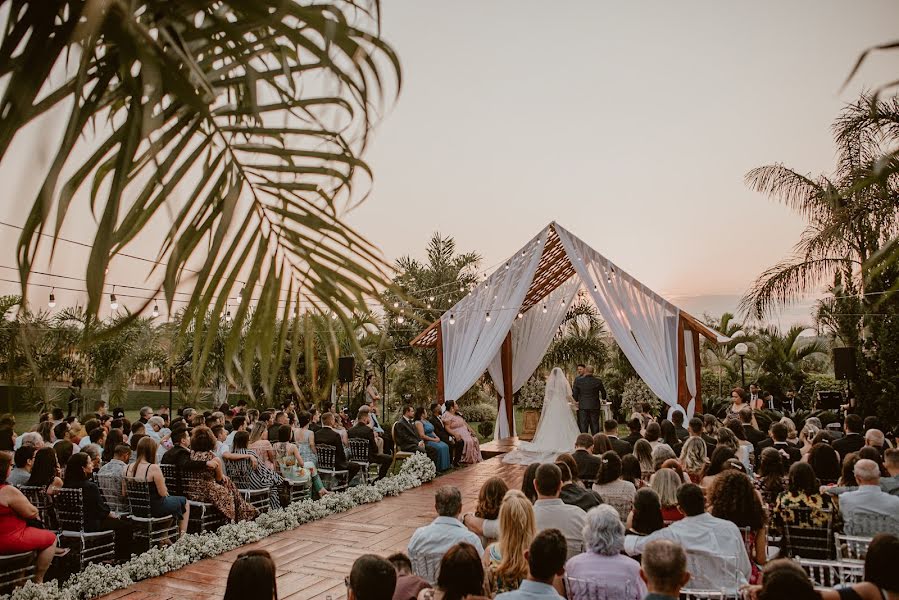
364,432
405,436
587,464
588,392
328,436
621,447
575,495
682,433
710,443
752,434
792,451
851,442
456,447
631,439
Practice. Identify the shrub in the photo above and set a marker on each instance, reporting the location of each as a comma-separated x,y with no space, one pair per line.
478,413
635,393
485,428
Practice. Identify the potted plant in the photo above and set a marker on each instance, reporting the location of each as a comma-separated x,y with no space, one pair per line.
530,398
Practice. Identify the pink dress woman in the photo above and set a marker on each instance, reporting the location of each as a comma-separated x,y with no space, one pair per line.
458,428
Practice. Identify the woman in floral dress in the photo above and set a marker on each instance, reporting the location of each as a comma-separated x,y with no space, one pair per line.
459,429
222,494
803,492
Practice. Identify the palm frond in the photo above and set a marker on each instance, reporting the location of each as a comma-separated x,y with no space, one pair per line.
786,281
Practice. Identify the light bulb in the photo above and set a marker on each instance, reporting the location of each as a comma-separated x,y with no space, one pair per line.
544,308
608,279
401,320
429,306
507,266
113,303
155,312
333,316
488,317
228,316
520,316
595,288
452,319
396,305
52,302
431,298
461,288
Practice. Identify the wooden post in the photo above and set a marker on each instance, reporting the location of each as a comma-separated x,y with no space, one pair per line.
683,391
440,382
506,361
698,368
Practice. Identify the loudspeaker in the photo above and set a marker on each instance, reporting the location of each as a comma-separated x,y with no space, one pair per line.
844,363
346,368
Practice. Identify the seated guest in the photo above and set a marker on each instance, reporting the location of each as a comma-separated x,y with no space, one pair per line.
622,447
881,579
546,564
634,427
16,536
527,482
669,435
717,542
461,575
891,463
24,460
643,452
258,477
853,441
653,435
770,477
693,458
444,531
665,483
552,513
286,452
213,487
677,419
259,444
362,430
663,567
64,451
328,435
45,470
162,504
734,499
425,431
803,492
587,463
722,459
406,436
630,470
784,578
110,479
868,499
457,447
113,439
612,488
749,432
97,516
408,585
601,444
825,461
874,438
660,454
485,520
505,561
252,575
603,560
646,516
459,429
574,494
372,578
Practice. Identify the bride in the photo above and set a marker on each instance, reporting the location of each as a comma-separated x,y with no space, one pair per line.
557,429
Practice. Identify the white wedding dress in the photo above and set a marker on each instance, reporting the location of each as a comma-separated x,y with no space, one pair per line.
557,429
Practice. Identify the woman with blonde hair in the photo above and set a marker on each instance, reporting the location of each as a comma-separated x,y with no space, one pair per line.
693,458
665,483
792,434
504,561
643,452
807,438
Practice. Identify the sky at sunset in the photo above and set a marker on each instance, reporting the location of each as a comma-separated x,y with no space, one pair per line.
631,124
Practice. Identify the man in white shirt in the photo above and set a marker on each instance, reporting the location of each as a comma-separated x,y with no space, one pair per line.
239,423
867,500
714,546
551,513
443,532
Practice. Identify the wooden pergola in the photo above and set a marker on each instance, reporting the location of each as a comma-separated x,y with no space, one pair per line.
553,270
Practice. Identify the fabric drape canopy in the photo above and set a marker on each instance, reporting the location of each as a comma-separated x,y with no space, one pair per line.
645,325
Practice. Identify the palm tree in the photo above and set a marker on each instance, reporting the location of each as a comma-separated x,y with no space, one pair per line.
848,223
580,340
239,123
783,359
721,357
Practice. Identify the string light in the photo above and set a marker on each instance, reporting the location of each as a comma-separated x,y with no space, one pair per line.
155,312
401,319
488,316
333,316
431,298
544,308
595,288
452,320
52,302
113,303
608,278
507,266
520,316
228,316
396,305
429,306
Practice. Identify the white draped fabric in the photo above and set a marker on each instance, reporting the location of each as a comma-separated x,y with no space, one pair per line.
531,336
471,342
643,323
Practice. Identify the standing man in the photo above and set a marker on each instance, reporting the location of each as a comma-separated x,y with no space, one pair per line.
588,392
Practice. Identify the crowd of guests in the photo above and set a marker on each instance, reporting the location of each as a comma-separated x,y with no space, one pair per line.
260,450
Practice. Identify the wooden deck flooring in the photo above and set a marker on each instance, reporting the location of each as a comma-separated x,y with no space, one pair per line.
313,559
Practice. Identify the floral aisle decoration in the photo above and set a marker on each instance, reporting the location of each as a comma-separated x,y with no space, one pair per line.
97,580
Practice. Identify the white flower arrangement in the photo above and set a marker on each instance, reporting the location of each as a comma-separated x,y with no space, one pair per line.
97,580
532,393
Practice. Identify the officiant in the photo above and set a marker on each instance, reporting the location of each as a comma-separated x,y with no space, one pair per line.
588,392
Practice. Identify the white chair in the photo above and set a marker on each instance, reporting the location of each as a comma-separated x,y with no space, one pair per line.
594,589
851,547
690,594
862,523
713,572
427,566
830,573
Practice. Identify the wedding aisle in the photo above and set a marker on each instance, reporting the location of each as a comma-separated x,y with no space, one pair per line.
314,558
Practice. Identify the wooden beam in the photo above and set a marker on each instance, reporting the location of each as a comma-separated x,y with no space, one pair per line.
683,390
698,369
440,383
506,362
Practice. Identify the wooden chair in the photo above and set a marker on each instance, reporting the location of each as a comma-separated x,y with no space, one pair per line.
87,546
154,530
337,478
398,455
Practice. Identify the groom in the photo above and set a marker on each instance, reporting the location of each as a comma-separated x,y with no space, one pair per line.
588,392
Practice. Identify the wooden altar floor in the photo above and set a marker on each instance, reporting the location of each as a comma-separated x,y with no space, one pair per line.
314,558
